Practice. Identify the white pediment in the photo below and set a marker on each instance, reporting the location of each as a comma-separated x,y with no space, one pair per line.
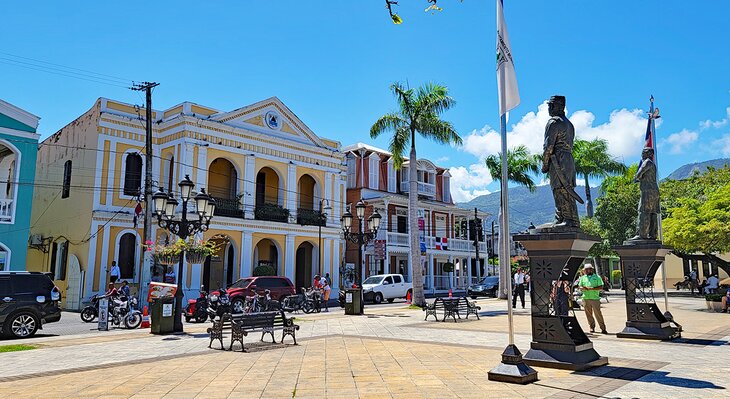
273,118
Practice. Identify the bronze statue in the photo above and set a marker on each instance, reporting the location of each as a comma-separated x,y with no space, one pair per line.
646,225
558,163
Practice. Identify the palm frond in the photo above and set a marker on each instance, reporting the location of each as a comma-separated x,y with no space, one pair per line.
434,128
433,99
389,122
398,144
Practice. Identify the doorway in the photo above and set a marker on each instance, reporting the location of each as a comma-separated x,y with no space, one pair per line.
304,265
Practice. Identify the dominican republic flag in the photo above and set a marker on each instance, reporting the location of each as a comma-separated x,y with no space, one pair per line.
442,243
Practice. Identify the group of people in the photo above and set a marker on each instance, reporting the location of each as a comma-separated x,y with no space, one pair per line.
708,285
324,285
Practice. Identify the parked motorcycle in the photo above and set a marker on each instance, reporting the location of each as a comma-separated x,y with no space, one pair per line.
219,304
308,301
259,303
123,311
197,309
91,311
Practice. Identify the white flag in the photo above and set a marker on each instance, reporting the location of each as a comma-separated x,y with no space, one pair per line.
509,95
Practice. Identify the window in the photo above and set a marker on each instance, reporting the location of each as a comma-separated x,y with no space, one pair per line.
132,174
171,173
59,259
5,287
391,177
397,279
388,280
373,170
402,224
66,191
351,172
127,255
447,189
32,284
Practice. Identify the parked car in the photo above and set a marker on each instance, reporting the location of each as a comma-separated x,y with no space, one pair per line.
487,287
385,287
27,301
279,286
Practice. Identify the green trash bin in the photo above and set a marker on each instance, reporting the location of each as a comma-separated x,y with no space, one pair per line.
353,302
162,316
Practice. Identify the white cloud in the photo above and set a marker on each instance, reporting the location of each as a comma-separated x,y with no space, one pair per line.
723,145
624,132
441,160
716,124
469,183
680,140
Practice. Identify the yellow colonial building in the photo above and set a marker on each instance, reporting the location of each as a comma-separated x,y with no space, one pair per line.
269,173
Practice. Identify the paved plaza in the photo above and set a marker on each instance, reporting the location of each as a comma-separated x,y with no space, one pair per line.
390,353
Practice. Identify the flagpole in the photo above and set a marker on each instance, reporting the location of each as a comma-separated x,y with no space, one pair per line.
504,227
659,212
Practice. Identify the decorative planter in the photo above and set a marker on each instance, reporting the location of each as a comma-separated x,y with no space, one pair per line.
194,257
714,306
168,259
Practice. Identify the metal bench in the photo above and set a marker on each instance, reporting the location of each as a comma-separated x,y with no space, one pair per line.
452,307
241,324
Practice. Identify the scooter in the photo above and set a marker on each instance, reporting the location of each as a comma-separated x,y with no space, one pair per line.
197,309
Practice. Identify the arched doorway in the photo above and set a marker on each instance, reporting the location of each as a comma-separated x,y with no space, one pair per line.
127,255
308,201
218,269
266,253
306,261
223,186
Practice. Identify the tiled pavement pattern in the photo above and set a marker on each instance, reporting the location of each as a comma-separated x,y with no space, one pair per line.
391,353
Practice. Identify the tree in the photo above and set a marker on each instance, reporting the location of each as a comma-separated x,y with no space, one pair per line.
521,166
419,112
601,249
593,160
698,212
398,20
617,208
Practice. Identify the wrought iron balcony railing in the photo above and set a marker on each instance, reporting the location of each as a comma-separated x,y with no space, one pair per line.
228,207
272,213
311,217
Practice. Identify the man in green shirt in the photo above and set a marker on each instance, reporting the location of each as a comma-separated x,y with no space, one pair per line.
591,285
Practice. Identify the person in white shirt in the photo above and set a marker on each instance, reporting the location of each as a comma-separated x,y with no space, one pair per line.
518,281
114,273
712,283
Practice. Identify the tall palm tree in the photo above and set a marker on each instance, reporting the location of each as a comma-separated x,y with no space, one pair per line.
419,112
593,160
521,167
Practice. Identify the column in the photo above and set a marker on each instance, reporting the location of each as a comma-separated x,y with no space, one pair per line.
468,270
336,203
201,175
452,274
291,190
336,267
246,254
431,270
326,258
327,194
249,187
290,256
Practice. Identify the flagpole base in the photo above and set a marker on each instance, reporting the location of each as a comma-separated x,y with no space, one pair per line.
512,369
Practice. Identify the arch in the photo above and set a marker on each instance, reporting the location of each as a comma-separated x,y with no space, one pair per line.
132,174
167,170
5,254
219,269
307,255
267,252
222,179
309,192
127,254
269,187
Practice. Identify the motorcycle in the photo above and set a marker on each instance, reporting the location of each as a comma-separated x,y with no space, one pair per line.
197,309
260,303
91,311
123,311
219,304
308,301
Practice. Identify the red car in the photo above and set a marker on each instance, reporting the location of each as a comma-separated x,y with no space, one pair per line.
280,288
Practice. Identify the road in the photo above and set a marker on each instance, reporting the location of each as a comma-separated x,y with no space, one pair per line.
72,325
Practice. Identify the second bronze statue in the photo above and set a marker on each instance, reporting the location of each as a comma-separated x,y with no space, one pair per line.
558,163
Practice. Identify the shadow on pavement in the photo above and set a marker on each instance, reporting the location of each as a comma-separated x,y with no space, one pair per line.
659,377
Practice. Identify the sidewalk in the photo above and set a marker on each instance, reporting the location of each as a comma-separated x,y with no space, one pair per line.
389,353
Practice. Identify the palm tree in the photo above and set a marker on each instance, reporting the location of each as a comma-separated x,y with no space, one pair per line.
419,112
593,160
521,166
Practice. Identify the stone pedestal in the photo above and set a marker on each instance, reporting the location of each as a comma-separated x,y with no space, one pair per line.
512,369
640,260
558,341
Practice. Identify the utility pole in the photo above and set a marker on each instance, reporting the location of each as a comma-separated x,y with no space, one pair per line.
145,272
491,242
477,226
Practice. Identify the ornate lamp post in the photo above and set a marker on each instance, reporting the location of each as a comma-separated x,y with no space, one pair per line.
165,206
361,237
322,219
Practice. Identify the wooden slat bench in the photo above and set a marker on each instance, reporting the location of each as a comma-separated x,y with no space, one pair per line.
241,324
452,307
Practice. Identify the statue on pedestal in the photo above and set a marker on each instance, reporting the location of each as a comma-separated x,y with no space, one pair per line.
558,163
647,224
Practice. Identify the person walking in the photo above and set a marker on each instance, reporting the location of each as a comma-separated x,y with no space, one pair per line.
327,291
591,284
693,282
114,273
519,288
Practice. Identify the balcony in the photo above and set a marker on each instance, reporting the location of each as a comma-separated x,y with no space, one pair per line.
425,189
310,217
228,207
453,244
6,210
271,213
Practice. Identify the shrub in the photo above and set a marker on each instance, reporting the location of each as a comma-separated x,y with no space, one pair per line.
616,274
713,297
263,270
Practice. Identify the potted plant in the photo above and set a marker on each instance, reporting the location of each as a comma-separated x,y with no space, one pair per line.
166,254
197,250
714,302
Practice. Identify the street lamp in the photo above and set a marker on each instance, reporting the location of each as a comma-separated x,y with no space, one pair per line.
322,216
165,207
361,237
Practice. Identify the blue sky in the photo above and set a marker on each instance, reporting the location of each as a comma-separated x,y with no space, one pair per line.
331,62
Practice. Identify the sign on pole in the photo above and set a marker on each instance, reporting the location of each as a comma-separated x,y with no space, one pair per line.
103,314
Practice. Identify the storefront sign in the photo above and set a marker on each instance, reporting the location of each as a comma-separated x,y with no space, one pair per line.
104,314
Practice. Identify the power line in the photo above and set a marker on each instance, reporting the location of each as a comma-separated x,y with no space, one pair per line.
122,80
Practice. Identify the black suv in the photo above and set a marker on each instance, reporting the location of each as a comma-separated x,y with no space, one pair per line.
27,301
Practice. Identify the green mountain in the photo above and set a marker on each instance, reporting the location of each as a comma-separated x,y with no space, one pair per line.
686,171
525,207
